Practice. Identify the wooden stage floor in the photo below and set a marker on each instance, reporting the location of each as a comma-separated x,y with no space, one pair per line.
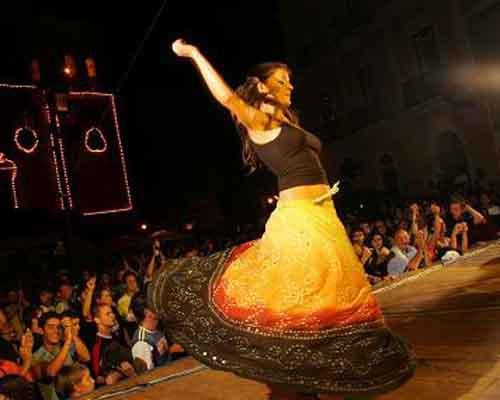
450,314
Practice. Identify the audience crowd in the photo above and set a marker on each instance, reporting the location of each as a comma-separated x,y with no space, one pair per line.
79,331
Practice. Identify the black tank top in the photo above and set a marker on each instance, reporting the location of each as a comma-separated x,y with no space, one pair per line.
293,156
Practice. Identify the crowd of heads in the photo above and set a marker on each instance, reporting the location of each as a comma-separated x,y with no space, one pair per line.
75,331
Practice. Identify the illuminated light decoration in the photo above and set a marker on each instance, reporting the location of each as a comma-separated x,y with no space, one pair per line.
189,227
67,71
10,86
270,200
64,166
95,130
144,227
9,165
129,205
54,161
27,150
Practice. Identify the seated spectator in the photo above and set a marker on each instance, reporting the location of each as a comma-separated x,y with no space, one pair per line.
149,343
60,344
13,387
74,381
377,264
405,257
111,360
64,296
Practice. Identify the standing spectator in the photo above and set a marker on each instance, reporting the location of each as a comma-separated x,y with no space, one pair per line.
404,256
381,228
14,359
64,295
460,238
45,299
14,387
123,305
52,356
103,297
111,360
74,381
367,231
17,304
377,264
461,212
358,243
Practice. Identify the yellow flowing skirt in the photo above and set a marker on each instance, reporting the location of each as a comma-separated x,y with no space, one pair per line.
302,274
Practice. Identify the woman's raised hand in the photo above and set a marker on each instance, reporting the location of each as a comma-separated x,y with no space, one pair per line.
183,49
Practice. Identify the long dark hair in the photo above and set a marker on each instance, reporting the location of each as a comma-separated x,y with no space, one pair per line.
250,94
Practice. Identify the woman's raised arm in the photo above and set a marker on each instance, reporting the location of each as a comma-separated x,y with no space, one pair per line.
249,116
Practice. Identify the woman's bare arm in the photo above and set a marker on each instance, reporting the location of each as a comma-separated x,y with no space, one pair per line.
249,116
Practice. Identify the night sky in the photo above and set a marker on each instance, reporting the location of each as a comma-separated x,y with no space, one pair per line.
180,144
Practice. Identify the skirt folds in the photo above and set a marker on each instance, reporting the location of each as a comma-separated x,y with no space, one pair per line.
293,308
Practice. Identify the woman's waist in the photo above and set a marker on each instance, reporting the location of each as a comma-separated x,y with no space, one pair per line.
304,192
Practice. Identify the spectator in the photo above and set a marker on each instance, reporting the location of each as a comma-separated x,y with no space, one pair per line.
45,299
149,343
460,211
64,295
52,356
111,360
405,257
131,288
74,381
14,359
460,238
13,387
367,231
358,243
17,304
102,297
377,264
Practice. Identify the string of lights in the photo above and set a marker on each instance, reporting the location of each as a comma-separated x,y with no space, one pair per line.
20,146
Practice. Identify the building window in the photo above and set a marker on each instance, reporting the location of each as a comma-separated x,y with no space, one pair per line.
426,52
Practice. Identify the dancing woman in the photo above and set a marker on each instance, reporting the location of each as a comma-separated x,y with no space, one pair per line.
292,309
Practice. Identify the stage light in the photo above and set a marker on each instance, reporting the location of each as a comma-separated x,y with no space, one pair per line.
189,227
67,71
144,227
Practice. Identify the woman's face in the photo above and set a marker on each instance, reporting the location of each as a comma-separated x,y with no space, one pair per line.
280,87
377,242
